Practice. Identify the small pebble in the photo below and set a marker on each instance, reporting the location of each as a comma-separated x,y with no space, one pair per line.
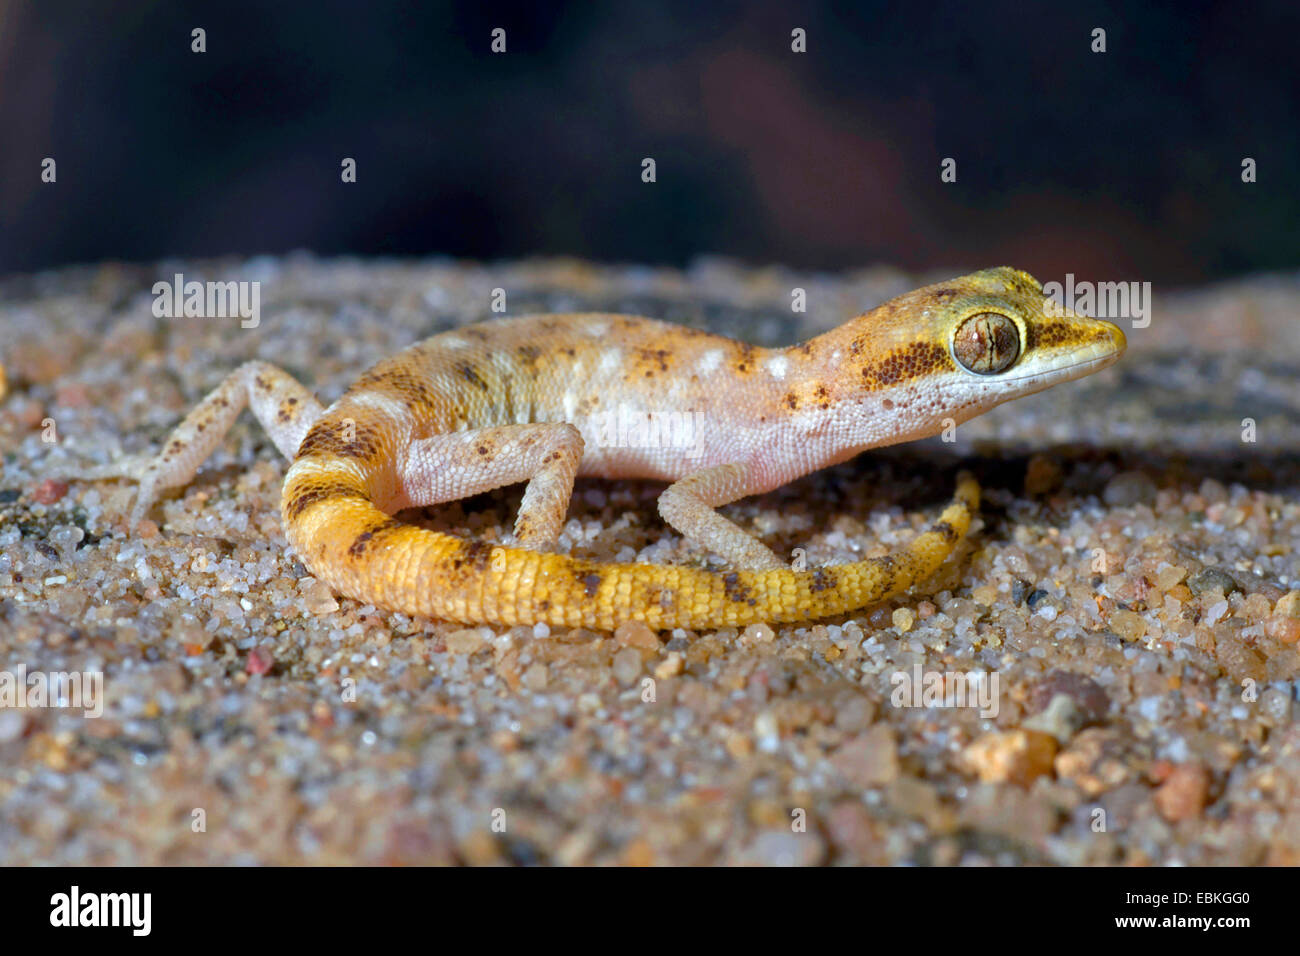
869,759
1167,578
465,641
1129,488
856,714
49,491
11,725
1283,628
1061,719
636,634
1042,475
785,848
259,661
1184,794
638,852
1241,659
739,745
768,731
1089,697
1288,605
1128,624
318,597
627,665
1017,756
1215,613
1211,579
536,677
670,666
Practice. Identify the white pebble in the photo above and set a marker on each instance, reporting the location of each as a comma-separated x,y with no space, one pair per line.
1216,613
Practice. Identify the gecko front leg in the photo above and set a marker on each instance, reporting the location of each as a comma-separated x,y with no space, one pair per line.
688,505
283,407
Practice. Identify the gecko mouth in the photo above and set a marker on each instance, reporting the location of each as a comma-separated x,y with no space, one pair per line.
1065,373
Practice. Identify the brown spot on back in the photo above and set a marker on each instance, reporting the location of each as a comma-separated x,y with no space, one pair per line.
405,386
744,358
654,357
469,373
330,438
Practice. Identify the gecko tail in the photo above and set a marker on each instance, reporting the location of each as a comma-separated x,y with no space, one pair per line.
343,538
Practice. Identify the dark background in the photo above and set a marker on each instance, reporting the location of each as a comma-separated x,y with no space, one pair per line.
1123,165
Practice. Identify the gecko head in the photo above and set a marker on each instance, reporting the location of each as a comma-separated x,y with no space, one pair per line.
957,348
1006,338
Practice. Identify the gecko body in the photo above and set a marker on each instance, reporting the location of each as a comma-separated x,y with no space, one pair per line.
543,399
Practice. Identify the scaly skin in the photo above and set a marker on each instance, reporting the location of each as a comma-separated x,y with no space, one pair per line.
450,417
884,377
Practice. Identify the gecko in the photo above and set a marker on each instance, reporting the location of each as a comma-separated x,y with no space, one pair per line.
528,400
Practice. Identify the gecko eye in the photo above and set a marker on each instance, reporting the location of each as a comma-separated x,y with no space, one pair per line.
986,343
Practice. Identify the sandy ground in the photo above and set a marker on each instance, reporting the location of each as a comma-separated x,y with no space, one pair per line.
1130,590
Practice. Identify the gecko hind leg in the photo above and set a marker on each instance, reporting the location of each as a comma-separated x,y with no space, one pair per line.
283,407
455,465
